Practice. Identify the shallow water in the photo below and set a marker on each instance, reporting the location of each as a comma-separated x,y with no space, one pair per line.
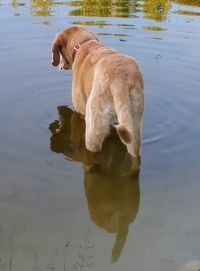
54,213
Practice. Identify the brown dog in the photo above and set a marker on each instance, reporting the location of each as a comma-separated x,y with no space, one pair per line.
107,87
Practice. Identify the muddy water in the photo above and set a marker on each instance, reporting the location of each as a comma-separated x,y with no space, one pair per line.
54,213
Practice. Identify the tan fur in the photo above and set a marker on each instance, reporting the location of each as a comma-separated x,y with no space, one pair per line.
107,88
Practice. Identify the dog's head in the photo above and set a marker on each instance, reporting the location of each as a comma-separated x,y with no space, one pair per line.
65,43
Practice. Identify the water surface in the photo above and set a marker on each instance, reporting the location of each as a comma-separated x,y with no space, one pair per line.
55,214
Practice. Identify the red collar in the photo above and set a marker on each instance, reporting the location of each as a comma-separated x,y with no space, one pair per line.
76,47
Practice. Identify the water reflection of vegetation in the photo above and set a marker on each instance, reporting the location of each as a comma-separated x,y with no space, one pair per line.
102,24
104,8
195,3
16,4
187,13
93,23
156,10
41,7
113,196
154,28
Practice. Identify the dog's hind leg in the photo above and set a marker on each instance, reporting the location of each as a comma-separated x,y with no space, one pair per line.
97,122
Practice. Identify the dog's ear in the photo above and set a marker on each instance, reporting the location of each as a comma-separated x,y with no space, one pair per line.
56,53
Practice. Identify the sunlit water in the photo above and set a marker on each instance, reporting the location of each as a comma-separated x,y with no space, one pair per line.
54,213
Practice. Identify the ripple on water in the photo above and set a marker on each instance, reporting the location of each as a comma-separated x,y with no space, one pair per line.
170,130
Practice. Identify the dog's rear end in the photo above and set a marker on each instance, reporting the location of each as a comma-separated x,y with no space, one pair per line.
116,98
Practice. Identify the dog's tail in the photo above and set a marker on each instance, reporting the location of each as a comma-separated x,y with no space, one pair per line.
123,133
129,110
122,104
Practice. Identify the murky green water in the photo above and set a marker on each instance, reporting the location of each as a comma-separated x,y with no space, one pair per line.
54,214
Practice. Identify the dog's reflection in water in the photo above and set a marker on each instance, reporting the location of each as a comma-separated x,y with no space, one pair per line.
113,195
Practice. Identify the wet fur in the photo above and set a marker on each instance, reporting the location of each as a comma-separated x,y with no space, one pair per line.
107,88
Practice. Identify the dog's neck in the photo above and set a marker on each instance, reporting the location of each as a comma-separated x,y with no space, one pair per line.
76,47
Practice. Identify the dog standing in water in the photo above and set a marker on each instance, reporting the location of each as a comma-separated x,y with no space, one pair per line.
107,87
